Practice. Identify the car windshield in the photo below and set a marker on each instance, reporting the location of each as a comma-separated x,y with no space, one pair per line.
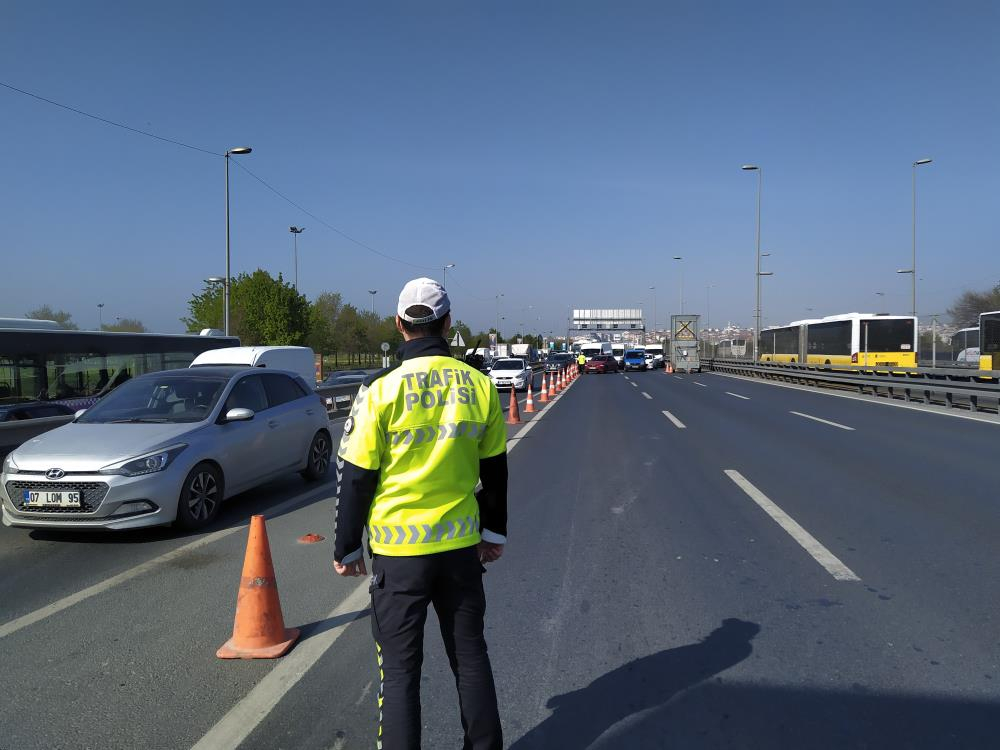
509,364
633,354
159,398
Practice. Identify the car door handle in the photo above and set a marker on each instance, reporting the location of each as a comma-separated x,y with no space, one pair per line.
272,423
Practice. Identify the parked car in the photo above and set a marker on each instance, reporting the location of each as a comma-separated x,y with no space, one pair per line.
635,359
33,410
510,373
168,447
601,364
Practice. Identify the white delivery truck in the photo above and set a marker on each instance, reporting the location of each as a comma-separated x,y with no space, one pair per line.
594,348
297,359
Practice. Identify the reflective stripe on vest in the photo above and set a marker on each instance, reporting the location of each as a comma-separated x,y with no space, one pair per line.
424,533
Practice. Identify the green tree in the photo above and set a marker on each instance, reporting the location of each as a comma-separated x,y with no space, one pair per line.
45,312
351,333
965,310
264,311
323,313
130,325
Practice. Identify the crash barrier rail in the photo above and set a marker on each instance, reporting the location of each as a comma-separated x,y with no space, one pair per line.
953,387
338,398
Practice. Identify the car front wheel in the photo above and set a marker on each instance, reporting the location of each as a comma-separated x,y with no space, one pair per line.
318,461
201,497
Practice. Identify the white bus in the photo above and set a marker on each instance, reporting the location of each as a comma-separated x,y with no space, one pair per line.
849,339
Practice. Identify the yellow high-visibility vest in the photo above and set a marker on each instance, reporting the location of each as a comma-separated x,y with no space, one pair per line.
424,426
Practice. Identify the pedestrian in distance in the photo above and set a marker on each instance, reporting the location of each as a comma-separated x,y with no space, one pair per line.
419,438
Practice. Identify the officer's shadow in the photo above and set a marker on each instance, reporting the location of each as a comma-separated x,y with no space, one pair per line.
579,718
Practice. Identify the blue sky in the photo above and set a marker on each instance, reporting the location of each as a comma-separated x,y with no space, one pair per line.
560,153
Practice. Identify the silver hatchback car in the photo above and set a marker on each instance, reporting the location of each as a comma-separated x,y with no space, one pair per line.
165,447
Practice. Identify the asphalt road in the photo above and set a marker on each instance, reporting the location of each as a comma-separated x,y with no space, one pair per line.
753,579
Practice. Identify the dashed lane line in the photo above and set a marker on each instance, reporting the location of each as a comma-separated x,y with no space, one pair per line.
700,385
241,720
824,421
647,395
633,384
807,541
677,423
730,393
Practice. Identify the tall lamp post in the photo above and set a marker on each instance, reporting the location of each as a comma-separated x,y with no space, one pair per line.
644,339
237,151
681,274
498,296
444,281
373,292
756,312
296,231
912,270
100,316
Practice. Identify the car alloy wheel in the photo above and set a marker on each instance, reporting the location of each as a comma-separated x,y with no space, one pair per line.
318,461
201,497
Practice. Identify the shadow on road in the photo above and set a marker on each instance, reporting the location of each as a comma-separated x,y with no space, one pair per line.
667,700
582,716
312,629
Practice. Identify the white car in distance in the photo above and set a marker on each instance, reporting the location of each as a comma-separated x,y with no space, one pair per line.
510,373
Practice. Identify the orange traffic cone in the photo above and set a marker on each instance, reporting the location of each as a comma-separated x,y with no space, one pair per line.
552,385
513,413
561,383
259,630
529,404
543,394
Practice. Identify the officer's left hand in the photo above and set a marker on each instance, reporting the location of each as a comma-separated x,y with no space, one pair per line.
356,568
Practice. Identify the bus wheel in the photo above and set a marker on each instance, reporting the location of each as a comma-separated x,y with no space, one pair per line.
827,362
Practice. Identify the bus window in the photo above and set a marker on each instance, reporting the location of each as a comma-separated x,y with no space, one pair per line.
894,335
830,338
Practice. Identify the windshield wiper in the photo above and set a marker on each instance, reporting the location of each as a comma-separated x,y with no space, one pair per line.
140,420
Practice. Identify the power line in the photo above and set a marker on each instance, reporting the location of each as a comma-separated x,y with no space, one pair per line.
332,228
270,187
109,122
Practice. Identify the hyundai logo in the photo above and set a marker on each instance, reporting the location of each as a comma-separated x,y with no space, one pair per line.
55,474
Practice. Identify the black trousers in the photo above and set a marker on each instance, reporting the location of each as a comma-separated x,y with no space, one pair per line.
401,588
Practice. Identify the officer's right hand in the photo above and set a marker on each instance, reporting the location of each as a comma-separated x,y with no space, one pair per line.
489,552
356,568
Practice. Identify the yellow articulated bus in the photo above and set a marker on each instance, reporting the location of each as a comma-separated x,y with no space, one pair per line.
989,341
850,339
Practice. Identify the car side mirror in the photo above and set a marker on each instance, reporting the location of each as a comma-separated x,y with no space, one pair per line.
79,413
239,415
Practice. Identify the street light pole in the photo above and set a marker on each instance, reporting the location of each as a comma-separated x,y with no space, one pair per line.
913,268
239,150
373,292
644,338
296,231
444,282
681,273
498,296
100,316
760,189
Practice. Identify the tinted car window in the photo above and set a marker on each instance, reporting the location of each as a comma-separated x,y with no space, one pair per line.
248,393
281,389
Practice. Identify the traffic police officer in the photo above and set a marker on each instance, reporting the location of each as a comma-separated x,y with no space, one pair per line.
581,360
419,438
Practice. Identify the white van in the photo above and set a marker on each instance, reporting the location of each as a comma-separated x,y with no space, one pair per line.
298,359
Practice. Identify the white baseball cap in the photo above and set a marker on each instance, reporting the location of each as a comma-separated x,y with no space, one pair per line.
426,292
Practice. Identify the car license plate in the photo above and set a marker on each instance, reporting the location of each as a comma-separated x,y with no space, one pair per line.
67,499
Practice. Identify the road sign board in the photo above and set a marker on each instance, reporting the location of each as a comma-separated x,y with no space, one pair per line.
385,346
457,340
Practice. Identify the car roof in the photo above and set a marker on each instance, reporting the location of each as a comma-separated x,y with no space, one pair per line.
224,371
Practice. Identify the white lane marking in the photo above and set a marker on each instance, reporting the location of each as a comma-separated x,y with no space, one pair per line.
233,728
677,423
809,543
923,408
730,393
700,385
647,395
824,421
633,385
68,601
627,377
678,377
253,708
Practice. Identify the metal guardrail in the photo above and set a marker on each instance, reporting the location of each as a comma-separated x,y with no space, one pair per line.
338,398
959,388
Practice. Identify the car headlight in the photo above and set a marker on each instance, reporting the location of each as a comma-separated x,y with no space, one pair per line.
149,463
9,467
